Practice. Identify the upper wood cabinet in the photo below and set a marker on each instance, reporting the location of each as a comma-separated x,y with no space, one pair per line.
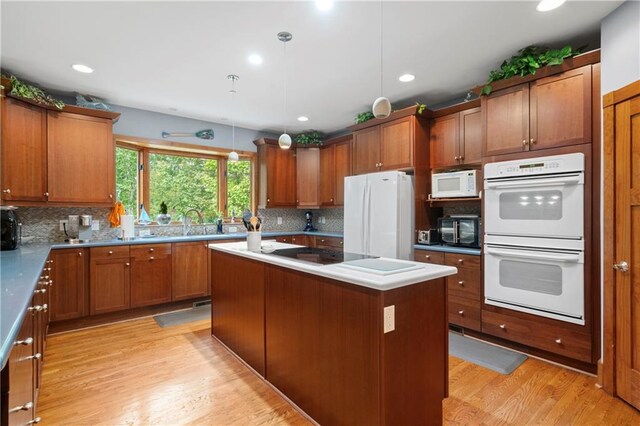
456,139
24,151
389,145
308,177
57,158
69,287
549,112
276,175
335,165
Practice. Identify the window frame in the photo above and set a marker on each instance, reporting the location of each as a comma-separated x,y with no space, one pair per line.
145,147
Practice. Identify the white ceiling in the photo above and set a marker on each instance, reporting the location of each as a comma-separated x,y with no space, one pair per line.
162,55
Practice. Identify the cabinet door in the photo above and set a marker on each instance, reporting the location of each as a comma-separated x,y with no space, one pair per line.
68,290
396,144
109,285
328,175
281,177
301,240
471,136
24,151
560,112
443,141
506,121
342,170
189,270
18,379
82,150
150,280
307,174
366,150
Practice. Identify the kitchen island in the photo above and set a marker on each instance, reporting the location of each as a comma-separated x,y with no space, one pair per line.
346,345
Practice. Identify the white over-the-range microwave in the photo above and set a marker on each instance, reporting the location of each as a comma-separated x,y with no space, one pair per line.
463,183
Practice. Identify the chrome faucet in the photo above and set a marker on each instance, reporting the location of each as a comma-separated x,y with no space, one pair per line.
186,220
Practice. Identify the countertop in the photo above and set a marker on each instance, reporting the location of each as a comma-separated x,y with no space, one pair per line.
424,271
450,249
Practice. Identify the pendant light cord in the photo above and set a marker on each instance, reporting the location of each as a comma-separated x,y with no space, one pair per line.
284,74
233,111
381,53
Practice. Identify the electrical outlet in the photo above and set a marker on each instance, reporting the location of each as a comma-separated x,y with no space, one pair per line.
322,219
389,318
95,225
233,229
279,220
63,223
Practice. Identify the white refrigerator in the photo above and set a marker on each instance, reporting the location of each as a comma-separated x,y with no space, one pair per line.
379,215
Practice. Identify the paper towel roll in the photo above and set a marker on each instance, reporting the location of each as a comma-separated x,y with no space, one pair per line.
127,226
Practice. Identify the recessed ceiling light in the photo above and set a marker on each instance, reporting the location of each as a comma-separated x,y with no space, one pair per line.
547,5
324,5
82,68
405,78
255,59
303,118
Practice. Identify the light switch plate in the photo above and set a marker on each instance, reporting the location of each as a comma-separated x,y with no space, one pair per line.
279,220
389,318
95,225
233,229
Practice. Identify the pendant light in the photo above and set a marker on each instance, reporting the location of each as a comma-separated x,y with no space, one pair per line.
233,155
284,141
381,106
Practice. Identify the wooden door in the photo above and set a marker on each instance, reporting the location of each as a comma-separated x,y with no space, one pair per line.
307,175
396,144
444,141
109,284
68,290
189,269
281,177
366,150
83,151
627,249
342,170
560,109
471,136
327,176
24,151
505,114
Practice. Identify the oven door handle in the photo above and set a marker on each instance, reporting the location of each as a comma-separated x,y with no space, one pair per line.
536,183
555,257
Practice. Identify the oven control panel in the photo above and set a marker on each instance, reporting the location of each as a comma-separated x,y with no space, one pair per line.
528,168
536,166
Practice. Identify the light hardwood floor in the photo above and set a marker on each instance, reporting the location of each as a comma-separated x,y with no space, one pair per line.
136,373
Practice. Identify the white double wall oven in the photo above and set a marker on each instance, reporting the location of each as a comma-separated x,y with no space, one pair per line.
534,236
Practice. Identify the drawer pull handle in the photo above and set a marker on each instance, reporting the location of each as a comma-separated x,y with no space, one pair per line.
80,253
151,257
151,250
127,264
559,341
461,283
110,251
36,356
460,261
341,242
428,257
25,342
502,326
41,291
26,407
461,313
34,421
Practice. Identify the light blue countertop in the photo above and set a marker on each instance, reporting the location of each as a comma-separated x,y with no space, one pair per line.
450,249
20,270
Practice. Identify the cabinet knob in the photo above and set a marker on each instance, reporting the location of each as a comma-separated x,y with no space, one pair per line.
331,200
41,291
26,342
524,143
36,356
151,250
502,326
127,264
461,157
297,201
456,158
110,251
532,141
559,341
461,313
268,200
26,407
80,253
461,282
111,196
46,194
427,256
340,242
151,257
461,261
36,308
6,191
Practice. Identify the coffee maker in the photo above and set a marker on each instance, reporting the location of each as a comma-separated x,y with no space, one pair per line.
78,228
309,216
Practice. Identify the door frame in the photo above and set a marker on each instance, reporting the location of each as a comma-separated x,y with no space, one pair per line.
607,364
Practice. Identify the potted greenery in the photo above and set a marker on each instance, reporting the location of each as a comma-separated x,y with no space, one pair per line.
163,218
311,137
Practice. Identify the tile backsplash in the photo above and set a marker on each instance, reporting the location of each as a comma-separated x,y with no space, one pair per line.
42,224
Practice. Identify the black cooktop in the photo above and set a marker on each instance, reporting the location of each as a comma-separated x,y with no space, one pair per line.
318,255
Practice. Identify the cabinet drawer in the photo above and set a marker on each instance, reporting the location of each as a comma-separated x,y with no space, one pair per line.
146,250
284,239
550,338
428,256
109,252
329,242
466,283
462,260
301,240
464,312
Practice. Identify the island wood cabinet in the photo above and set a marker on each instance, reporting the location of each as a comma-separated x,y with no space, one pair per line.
70,282
189,270
57,158
150,274
549,112
335,165
308,177
456,138
109,283
277,183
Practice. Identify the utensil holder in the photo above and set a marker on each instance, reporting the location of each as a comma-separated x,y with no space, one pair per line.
254,240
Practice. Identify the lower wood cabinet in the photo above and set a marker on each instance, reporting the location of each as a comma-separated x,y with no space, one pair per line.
301,240
189,270
69,287
110,282
150,274
331,243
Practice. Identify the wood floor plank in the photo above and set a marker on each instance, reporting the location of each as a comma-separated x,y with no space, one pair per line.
136,373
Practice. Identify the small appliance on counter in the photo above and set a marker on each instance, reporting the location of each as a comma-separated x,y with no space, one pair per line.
429,237
457,184
79,229
10,232
309,217
460,231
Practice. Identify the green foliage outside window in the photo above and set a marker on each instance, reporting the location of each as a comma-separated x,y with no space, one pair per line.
127,178
238,187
